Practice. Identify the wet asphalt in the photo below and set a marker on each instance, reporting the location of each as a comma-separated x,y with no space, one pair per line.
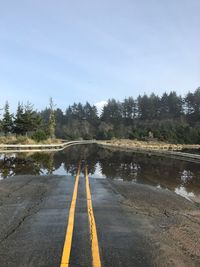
34,216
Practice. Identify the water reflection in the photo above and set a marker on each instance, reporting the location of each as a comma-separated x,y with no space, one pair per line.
179,176
192,151
181,190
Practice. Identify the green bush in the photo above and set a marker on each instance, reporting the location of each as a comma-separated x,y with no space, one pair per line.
39,135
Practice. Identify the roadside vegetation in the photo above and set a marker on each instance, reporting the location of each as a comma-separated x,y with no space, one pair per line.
147,145
27,125
24,140
168,118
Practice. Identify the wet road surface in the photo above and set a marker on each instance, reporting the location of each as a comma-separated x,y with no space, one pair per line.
35,215
127,212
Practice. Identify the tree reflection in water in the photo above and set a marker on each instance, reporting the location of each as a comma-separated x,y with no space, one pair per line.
134,167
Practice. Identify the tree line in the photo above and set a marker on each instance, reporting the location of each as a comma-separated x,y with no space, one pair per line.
28,122
170,117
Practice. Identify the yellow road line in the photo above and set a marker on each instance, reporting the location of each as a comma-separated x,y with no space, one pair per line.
70,227
96,262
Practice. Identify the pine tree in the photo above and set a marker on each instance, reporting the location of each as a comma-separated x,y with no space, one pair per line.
18,122
31,120
7,122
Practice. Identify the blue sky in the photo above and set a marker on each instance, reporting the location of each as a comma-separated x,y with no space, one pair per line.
94,50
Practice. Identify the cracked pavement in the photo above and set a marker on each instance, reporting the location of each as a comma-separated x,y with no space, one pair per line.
135,225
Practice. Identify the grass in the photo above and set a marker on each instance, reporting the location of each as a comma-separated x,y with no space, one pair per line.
24,140
148,144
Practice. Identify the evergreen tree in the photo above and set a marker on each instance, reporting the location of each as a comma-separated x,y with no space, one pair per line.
164,107
175,104
90,113
129,109
144,107
7,122
18,121
169,118
31,120
192,102
112,112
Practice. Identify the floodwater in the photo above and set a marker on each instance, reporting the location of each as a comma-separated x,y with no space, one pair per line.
192,151
180,176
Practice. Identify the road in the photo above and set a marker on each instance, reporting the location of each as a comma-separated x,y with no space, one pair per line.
61,221
68,221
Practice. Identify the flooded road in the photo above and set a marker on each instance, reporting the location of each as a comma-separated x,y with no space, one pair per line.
179,176
129,211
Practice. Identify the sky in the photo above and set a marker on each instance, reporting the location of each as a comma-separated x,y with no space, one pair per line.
78,51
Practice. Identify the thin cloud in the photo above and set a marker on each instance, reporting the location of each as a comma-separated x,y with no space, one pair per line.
100,106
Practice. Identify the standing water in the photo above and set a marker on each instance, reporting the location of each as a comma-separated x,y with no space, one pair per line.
179,176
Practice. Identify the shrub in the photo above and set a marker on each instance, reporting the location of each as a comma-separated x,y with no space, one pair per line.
39,135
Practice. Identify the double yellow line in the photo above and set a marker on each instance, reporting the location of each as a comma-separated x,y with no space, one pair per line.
96,262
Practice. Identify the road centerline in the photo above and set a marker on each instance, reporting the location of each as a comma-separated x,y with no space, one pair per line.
96,261
70,226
